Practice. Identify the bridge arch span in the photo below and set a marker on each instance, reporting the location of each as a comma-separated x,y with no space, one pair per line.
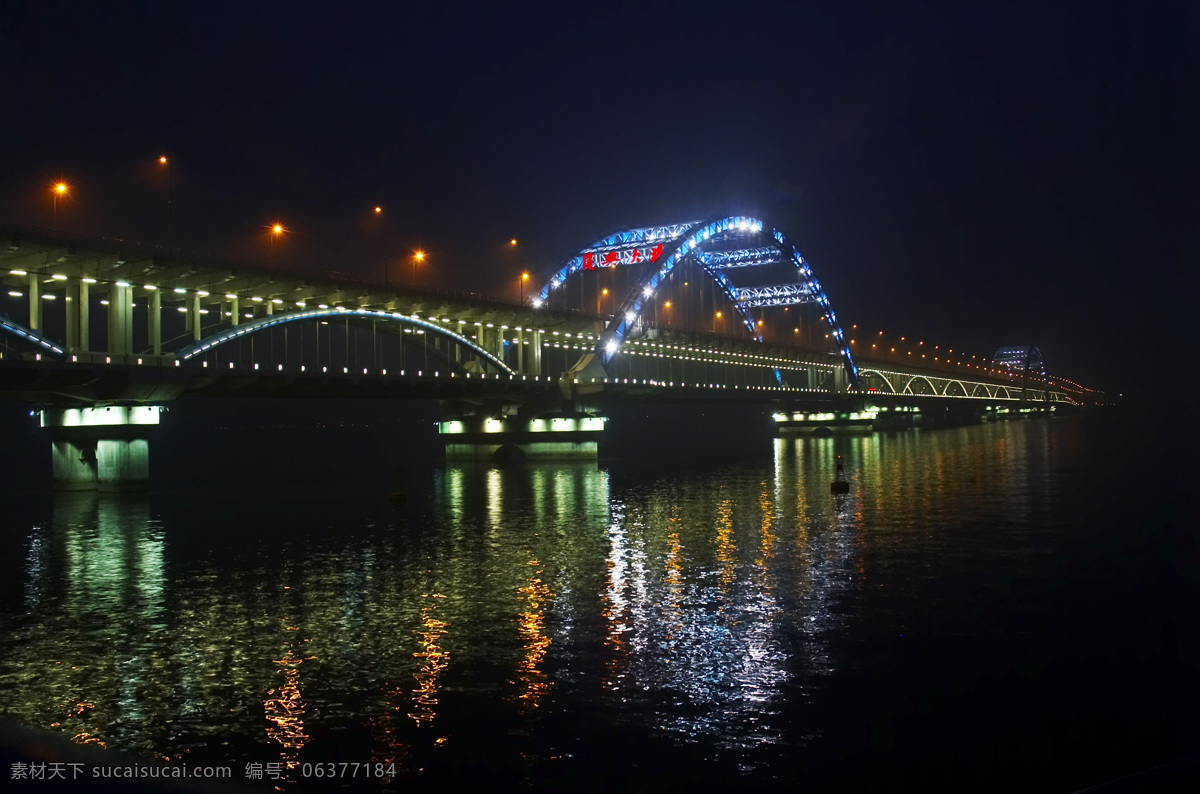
876,373
961,387
262,323
908,386
662,248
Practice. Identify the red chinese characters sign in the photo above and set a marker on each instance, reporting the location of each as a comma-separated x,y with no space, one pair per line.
629,256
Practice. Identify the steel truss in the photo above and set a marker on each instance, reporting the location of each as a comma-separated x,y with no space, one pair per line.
777,295
746,257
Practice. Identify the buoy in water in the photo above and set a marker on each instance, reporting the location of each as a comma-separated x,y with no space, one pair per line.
839,484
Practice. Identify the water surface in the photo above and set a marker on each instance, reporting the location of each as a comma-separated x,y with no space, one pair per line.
989,606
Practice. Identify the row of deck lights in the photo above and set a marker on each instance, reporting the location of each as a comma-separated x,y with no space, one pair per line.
615,381
748,358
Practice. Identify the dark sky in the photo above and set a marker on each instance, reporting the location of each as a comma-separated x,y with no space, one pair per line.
973,176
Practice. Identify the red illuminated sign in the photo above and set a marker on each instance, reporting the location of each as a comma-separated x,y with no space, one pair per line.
630,256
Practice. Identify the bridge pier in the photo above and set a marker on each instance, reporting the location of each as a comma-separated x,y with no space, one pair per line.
480,437
830,422
106,449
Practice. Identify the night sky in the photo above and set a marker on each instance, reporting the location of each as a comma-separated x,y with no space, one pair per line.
967,175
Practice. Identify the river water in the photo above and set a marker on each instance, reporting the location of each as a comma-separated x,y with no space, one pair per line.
993,606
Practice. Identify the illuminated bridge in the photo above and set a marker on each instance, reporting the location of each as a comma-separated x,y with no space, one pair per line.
97,334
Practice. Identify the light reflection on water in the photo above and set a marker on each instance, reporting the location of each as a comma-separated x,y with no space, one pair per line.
706,606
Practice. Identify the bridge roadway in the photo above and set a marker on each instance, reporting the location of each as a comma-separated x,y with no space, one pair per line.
185,323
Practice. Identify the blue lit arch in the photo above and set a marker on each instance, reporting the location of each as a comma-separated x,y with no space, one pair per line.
238,331
41,343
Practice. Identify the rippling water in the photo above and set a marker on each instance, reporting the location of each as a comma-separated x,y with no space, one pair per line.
988,605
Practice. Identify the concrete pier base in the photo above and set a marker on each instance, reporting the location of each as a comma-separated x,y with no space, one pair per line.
106,448
123,464
73,465
825,423
512,440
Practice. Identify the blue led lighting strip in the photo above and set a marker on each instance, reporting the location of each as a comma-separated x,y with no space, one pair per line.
33,336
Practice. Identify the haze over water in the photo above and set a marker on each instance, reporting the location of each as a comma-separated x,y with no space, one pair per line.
989,606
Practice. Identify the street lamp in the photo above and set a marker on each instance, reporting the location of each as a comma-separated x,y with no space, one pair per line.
165,163
59,189
524,278
277,231
378,213
418,256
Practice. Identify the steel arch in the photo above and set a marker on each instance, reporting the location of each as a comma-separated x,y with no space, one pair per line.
237,331
908,385
617,249
31,336
689,243
882,377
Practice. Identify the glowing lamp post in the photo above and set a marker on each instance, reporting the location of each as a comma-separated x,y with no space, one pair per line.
60,189
165,163
418,256
277,231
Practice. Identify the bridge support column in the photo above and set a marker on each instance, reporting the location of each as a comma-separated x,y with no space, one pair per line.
194,317
535,350
101,448
154,322
35,302
71,309
233,310
841,381
573,437
81,310
120,330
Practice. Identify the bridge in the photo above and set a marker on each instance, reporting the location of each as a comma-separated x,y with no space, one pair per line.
97,334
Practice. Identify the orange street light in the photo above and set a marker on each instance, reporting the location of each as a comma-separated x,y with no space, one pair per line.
524,278
60,189
277,230
513,241
418,256
165,163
